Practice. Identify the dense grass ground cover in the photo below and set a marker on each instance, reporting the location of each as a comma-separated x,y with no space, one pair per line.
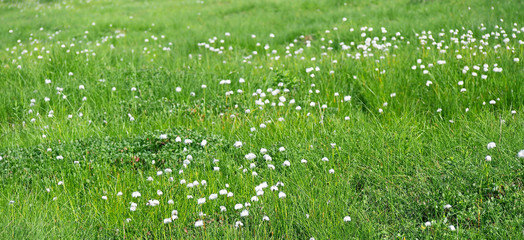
262,119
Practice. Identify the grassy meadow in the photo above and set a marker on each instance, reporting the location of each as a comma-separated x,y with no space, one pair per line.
274,119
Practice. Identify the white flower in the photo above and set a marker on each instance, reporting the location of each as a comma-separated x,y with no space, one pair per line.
488,158
250,156
347,219
452,228
281,149
104,197
238,206
447,206
119,194
521,154
213,196
244,213
203,143
238,224
167,220
199,223
303,161
223,209
201,200
491,145
325,159
265,218
347,98
152,202
238,144
281,195
170,202
159,193
136,194
332,171
286,163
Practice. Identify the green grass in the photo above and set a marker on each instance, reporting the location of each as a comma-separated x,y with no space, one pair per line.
398,159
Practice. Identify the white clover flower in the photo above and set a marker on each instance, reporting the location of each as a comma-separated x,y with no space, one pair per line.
238,224
347,98
199,223
136,194
152,202
201,200
491,145
447,206
281,195
325,159
170,202
250,156
331,171
488,158
286,163
281,149
452,228
347,219
238,206
244,213
238,144
213,196
167,220
427,224
104,197
223,209
521,154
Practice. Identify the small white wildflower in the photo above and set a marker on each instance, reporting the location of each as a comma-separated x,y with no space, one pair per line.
199,223
281,195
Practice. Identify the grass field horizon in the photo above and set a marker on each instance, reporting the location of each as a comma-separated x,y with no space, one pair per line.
278,119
